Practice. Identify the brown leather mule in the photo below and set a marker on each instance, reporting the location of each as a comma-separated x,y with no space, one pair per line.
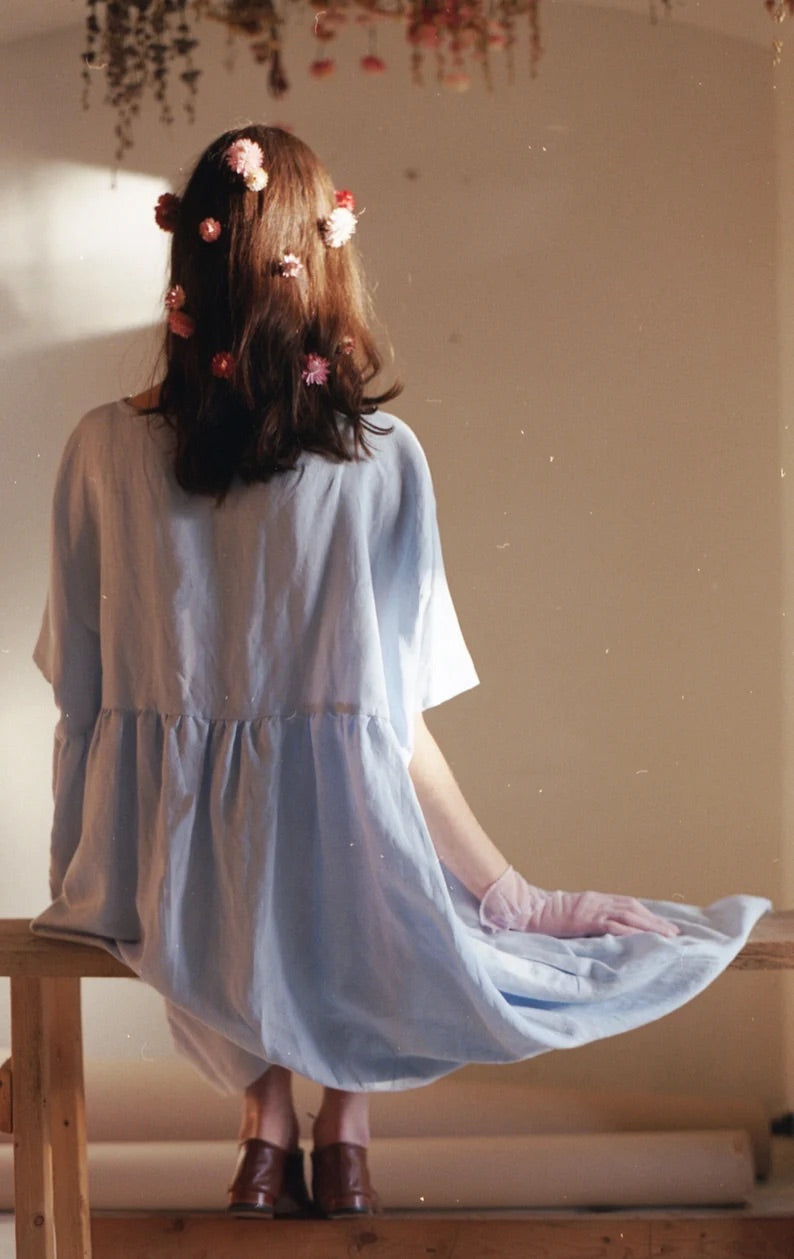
340,1181
268,1181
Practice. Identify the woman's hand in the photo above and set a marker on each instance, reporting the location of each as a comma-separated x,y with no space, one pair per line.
512,904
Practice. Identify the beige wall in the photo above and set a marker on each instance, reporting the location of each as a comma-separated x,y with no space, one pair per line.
580,279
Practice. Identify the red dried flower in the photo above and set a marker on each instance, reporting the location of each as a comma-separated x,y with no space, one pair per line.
321,69
209,230
345,199
223,365
181,324
166,211
372,64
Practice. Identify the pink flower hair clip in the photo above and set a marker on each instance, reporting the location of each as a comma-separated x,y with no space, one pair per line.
209,230
166,211
290,266
223,365
245,158
315,371
340,224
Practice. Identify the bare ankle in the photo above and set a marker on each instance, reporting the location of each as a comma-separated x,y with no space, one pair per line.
268,1111
342,1117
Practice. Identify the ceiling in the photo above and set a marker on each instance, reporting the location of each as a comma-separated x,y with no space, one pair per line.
745,19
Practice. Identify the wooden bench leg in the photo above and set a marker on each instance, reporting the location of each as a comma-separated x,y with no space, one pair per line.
67,1119
33,1202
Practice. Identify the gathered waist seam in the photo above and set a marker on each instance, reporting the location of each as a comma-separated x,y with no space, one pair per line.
341,711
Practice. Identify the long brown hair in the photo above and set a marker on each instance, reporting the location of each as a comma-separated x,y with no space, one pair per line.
257,422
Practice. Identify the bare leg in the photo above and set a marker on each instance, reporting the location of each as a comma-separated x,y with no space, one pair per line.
268,1109
342,1117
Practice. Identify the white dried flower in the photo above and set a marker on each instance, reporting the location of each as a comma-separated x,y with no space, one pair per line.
290,266
338,227
256,180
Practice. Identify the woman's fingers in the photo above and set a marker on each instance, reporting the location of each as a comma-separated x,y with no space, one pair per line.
640,919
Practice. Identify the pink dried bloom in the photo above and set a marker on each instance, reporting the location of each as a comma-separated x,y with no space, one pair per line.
322,68
424,35
166,211
316,370
209,230
457,81
372,64
223,365
337,229
175,297
347,345
181,324
244,157
290,266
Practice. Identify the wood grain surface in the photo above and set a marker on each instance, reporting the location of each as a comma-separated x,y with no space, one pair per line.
610,1237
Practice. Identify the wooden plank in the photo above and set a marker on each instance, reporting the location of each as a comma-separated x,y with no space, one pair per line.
442,1237
735,1238
219,1237
23,953
6,1098
32,1169
67,1119
770,947
771,944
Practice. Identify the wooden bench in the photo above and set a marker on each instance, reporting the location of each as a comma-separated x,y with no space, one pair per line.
42,1103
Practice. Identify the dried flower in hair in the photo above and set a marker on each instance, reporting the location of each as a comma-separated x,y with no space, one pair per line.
175,298
223,365
347,345
345,199
209,230
245,157
315,371
166,211
338,227
181,324
256,180
290,266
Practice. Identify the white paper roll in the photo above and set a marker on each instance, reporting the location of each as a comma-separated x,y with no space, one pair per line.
165,1100
560,1170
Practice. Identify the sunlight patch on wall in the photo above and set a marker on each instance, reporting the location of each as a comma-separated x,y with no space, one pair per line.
80,256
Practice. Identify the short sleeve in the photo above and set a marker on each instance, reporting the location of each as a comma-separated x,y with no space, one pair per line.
424,657
67,650
445,667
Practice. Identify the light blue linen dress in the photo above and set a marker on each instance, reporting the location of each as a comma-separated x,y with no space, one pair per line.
234,816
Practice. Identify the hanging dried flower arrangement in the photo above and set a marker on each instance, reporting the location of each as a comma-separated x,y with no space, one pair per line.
138,45
142,46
